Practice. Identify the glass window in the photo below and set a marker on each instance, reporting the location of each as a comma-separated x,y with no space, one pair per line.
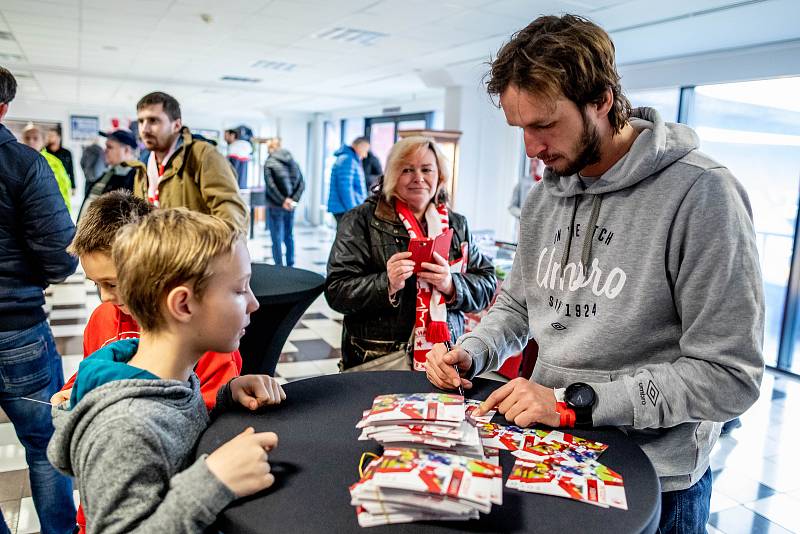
353,128
381,139
411,125
382,131
665,101
753,128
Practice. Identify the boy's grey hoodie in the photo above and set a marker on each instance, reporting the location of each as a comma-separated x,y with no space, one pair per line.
129,443
667,323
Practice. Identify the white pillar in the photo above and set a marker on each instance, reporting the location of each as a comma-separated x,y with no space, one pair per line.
315,169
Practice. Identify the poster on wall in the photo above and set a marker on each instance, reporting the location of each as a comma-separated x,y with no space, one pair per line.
83,127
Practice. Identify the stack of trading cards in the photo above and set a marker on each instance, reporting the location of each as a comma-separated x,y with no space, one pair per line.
406,485
423,420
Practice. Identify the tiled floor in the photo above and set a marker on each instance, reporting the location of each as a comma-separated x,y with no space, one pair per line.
757,478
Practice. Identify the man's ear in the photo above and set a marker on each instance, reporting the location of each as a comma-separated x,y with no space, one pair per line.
602,108
177,125
178,304
3,110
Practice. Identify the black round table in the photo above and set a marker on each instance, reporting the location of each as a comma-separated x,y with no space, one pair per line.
283,294
317,460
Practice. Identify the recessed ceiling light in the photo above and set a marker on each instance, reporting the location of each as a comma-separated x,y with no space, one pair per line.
351,35
111,48
240,79
274,65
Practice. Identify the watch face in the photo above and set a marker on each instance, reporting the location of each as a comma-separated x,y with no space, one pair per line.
580,395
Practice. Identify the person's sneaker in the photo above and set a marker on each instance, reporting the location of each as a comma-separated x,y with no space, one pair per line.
730,426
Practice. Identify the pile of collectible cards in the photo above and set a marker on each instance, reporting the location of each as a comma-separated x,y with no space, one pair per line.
555,463
424,420
406,485
433,466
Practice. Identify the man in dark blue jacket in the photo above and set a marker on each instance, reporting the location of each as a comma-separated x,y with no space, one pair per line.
347,178
35,229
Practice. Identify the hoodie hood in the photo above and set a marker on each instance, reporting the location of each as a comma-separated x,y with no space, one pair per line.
282,155
657,146
346,150
106,365
107,390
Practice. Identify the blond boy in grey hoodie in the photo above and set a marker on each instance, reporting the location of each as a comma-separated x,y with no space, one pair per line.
136,412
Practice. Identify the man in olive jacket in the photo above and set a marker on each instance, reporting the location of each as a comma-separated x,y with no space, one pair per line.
182,171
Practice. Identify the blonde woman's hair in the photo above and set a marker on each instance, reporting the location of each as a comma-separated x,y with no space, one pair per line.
401,152
167,248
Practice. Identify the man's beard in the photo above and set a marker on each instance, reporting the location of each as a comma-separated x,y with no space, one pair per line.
587,147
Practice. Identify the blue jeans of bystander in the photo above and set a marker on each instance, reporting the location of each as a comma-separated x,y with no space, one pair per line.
31,367
281,230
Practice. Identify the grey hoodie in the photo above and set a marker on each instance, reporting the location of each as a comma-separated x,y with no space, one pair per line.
129,443
666,324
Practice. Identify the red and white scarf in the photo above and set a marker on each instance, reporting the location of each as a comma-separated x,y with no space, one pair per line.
430,324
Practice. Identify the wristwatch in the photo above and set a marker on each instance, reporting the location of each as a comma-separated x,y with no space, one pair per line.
580,398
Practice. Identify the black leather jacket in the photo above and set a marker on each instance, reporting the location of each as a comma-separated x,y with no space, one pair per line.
358,286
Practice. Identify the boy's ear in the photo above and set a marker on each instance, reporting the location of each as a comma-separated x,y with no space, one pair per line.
178,304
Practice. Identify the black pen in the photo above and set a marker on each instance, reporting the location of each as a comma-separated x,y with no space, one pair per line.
449,346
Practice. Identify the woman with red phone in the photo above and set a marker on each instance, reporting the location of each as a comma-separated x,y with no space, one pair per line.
403,267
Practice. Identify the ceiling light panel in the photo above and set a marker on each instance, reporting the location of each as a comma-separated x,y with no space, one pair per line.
351,35
281,66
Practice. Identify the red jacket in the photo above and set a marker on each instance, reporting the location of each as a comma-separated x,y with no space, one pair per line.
108,324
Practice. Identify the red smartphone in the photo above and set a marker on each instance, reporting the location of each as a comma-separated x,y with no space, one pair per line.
441,245
422,249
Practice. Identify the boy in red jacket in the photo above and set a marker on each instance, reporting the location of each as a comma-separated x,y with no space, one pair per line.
111,321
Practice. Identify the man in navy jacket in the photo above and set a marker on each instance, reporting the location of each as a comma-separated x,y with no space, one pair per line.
35,229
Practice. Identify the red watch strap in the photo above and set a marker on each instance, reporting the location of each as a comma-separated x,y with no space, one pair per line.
567,415
567,418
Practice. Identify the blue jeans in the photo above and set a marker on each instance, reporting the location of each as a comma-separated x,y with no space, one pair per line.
30,367
686,511
281,227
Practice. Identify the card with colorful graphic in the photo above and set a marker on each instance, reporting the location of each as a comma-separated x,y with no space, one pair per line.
593,484
591,449
509,438
472,405
427,472
442,408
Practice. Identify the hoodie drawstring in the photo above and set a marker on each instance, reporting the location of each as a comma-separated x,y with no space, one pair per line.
570,230
587,241
586,253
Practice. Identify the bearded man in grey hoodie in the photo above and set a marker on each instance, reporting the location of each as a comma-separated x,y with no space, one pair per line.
636,272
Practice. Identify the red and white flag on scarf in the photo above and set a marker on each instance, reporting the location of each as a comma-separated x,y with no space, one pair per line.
430,324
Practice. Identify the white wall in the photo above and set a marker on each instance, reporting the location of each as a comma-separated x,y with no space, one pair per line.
489,161
753,63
